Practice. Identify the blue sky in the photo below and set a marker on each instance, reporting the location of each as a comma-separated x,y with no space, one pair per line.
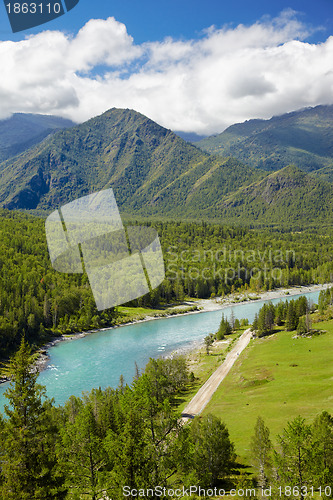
148,20
190,65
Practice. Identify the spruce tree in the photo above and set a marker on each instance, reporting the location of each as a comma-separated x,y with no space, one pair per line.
294,460
261,447
28,462
224,328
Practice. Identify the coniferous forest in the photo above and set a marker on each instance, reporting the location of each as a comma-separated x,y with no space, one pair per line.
130,441
202,260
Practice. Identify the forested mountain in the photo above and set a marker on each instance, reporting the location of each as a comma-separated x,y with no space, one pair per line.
155,173
286,195
150,168
23,130
303,138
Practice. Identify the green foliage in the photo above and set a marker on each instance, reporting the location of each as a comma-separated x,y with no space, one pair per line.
279,197
261,448
224,328
23,130
35,300
209,340
41,302
294,314
29,466
322,439
212,452
294,458
151,170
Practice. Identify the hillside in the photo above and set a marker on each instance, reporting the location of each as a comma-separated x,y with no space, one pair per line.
303,138
288,195
23,130
152,170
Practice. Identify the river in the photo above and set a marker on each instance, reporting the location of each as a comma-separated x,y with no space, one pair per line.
98,359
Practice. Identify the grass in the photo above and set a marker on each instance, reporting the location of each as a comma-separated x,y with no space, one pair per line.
203,366
129,314
277,377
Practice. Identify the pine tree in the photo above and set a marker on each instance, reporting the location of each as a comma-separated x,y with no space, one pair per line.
213,452
295,458
291,318
261,447
224,328
28,461
322,439
82,452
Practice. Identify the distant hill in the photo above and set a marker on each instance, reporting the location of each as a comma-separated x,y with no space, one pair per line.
190,136
152,170
23,130
303,138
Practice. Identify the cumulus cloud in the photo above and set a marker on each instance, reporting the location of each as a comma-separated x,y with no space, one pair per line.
227,75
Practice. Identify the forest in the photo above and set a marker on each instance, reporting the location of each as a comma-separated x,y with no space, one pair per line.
130,441
202,260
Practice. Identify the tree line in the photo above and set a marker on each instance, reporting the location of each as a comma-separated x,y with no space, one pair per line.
95,445
301,462
132,436
293,315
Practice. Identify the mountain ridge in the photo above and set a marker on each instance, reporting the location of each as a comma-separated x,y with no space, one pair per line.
154,173
21,131
303,137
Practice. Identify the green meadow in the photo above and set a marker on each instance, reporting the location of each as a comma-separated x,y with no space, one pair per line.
277,377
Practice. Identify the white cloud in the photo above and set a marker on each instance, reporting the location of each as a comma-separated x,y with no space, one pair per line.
226,76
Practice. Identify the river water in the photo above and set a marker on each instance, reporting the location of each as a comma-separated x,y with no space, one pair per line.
98,359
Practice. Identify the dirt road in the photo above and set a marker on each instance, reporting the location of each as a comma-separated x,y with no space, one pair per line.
203,396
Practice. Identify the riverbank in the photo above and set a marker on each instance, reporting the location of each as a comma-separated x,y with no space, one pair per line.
209,305
238,298
191,306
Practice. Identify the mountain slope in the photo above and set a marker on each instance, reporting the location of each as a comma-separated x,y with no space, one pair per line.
303,138
23,130
150,168
156,173
288,195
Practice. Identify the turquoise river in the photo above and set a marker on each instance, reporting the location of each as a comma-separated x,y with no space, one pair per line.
98,359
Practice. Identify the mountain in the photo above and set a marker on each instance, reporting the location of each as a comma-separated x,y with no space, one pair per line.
190,136
289,195
155,173
152,170
303,138
23,130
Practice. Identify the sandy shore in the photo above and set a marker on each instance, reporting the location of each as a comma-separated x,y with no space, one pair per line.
238,298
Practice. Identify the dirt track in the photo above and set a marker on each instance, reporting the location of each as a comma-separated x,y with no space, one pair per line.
203,396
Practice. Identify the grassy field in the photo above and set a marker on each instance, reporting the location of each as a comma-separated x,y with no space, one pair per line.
277,377
129,314
203,366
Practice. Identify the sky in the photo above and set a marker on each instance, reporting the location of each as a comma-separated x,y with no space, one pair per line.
191,66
